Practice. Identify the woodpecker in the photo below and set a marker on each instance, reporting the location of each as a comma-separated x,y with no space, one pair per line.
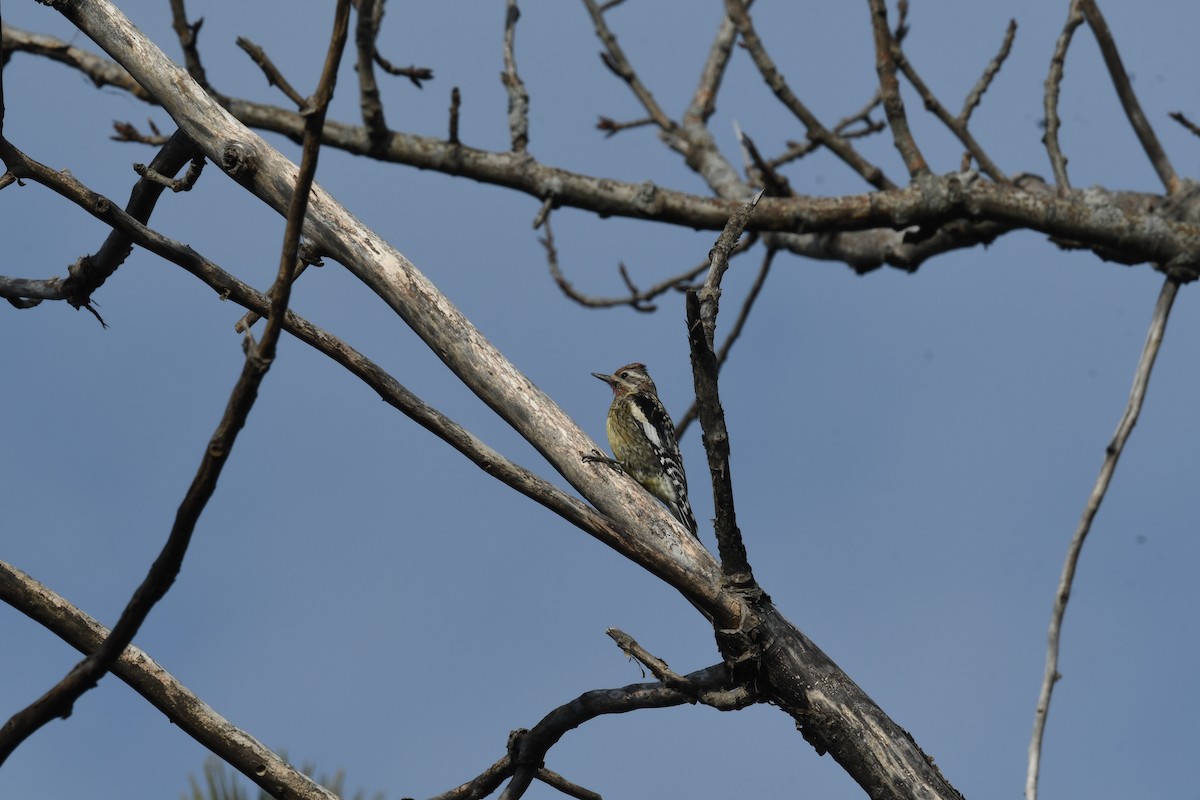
642,438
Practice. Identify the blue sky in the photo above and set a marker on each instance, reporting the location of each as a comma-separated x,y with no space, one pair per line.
911,453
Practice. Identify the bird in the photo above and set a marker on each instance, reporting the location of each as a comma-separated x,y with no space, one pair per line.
642,438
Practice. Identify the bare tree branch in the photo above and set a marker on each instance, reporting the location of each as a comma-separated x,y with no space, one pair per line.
529,748
638,299
188,33
736,9
989,74
274,76
100,71
889,88
797,150
518,97
554,780
899,226
723,698
389,389
956,125
90,272
614,58
455,103
128,132
133,666
1141,381
1179,117
611,127
306,256
734,332
773,182
1129,101
1133,111
254,164
366,32
184,184
831,710
864,231
59,700
414,73
702,308
704,99
1058,161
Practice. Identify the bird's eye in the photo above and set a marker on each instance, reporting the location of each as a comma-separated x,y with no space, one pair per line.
624,375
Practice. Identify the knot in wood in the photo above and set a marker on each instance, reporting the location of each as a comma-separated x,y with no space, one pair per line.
239,160
646,197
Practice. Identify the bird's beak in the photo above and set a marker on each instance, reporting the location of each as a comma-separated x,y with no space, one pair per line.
606,378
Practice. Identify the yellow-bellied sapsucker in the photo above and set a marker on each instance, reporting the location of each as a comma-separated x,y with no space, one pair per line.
643,440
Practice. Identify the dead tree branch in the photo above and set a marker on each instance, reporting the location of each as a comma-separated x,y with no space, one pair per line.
889,88
736,9
1133,109
1058,161
161,689
60,699
1137,395
518,96
864,231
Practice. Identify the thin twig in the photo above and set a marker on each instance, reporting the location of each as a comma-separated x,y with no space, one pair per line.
736,9
614,58
1133,109
773,183
638,299
751,296
414,73
611,127
690,415
710,293
989,73
128,132
955,124
455,104
569,788
272,73
188,33
543,214
313,125
518,96
704,99
366,32
1141,380
183,184
1058,162
797,150
722,698
658,668
1179,117
889,87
